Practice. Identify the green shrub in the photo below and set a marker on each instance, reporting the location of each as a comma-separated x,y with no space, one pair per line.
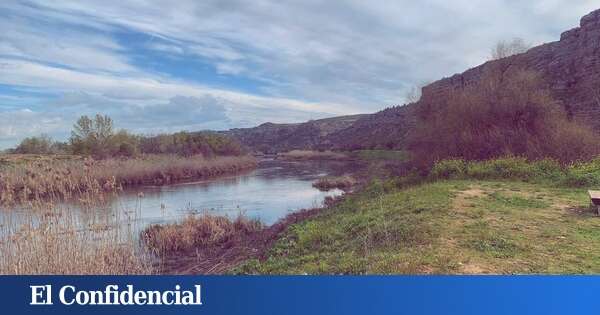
583,174
580,174
449,169
501,168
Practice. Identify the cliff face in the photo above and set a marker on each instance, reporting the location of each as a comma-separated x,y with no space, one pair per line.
570,67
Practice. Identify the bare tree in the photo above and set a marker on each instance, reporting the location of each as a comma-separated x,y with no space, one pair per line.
505,49
414,94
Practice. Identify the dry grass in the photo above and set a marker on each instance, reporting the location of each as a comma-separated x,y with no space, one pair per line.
38,235
197,232
42,238
312,155
53,179
341,182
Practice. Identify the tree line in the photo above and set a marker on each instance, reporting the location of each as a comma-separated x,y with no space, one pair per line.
96,136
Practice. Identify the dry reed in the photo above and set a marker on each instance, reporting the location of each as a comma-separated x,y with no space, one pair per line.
55,179
197,231
328,183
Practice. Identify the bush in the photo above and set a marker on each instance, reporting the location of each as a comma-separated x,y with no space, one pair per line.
449,169
584,174
208,144
35,145
502,113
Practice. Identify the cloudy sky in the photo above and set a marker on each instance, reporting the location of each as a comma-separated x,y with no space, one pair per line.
161,66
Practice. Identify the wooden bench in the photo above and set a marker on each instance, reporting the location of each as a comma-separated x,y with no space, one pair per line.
595,198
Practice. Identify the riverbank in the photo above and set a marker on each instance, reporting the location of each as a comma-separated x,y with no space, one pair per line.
443,227
65,178
202,251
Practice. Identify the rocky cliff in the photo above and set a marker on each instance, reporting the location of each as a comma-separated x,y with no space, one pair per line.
570,67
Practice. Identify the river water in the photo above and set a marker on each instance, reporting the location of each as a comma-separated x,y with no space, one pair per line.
268,193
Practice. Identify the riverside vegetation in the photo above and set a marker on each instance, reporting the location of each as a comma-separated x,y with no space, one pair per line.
40,234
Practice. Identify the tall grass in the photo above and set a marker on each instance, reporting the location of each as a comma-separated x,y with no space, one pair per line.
54,179
341,182
578,174
197,231
42,237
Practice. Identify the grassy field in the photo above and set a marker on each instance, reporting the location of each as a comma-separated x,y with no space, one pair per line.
445,227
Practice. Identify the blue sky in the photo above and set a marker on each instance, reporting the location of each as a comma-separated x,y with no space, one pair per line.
159,66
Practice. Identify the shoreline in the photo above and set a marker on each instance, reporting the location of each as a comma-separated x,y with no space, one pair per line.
224,258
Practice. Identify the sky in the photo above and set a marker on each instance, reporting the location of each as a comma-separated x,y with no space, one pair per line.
165,66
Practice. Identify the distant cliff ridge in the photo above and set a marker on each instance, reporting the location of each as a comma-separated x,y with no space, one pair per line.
570,67
272,138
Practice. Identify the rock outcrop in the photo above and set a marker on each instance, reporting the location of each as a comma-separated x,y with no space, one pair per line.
570,67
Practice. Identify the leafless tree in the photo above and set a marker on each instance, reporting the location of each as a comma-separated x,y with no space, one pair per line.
505,49
414,94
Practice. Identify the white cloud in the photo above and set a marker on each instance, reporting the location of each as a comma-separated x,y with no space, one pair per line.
308,58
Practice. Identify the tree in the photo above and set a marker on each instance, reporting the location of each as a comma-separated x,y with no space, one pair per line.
35,145
505,49
91,137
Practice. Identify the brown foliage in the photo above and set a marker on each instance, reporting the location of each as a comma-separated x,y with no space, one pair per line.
501,114
197,231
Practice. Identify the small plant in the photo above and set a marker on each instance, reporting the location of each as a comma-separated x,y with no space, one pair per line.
328,183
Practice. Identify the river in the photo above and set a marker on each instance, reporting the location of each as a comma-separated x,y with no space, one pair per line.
268,193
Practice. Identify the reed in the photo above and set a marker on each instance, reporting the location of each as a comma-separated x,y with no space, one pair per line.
341,182
198,231
53,179
44,238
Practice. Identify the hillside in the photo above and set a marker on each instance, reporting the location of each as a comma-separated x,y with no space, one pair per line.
314,134
570,67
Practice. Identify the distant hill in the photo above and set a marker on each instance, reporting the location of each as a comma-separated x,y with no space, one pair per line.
272,138
570,67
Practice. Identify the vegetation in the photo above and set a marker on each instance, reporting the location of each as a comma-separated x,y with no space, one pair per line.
546,171
312,155
387,155
197,232
60,179
505,49
96,137
501,114
340,182
45,237
449,227
40,145
207,144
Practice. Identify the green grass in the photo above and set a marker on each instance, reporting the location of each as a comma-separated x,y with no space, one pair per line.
445,227
546,171
389,155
